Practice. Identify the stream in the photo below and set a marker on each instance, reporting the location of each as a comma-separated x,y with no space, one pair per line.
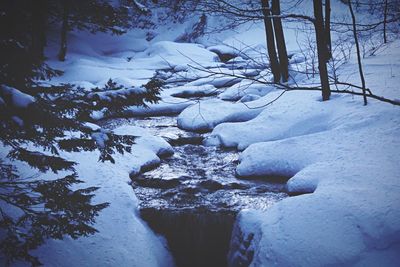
192,198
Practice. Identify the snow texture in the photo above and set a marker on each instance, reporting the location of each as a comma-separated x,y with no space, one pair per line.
204,115
343,154
16,98
123,238
346,156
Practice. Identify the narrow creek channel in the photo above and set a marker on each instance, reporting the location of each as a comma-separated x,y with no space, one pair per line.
193,197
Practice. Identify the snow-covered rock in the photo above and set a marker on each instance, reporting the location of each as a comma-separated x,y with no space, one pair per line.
192,91
15,97
205,115
279,120
243,88
166,106
156,144
218,80
167,54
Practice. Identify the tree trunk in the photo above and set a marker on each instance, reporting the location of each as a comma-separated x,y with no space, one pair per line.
38,34
269,32
385,21
64,31
353,17
321,49
328,27
280,41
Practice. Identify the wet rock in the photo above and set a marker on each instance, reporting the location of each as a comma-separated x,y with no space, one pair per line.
211,185
190,190
156,183
236,186
192,140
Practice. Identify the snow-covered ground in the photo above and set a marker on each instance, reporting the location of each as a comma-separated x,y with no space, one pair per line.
344,154
123,239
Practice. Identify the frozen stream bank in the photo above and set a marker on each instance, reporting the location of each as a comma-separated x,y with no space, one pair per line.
192,198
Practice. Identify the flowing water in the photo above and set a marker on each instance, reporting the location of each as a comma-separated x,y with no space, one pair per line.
192,198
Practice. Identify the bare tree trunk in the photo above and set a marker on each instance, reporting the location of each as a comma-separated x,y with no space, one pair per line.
64,31
385,21
321,48
39,20
269,32
360,69
280,41
328,27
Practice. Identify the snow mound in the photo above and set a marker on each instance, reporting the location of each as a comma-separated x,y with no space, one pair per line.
218,80
170,54
192,91
156,144
224,49
166,106
243,88
342,153
204,115
279,120
15,97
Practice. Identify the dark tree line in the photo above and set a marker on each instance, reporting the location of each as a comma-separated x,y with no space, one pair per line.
35,122
24,25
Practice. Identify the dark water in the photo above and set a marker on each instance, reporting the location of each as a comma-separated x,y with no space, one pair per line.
192,198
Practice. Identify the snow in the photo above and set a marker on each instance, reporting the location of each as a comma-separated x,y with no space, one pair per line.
192,91
219,80
224,49
123,238
17,98
154,143
172,101
245,87
342,154
204,116
166,106
109,95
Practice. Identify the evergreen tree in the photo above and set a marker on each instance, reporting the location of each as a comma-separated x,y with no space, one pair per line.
34,129
34,123
22,40
92,16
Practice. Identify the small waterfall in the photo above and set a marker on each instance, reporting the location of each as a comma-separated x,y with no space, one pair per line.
196,238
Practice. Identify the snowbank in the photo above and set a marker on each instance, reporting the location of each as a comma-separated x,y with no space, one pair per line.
346,155
166,106
292,115
205,115
15,97
243,88
123,238
167,54
192,91
352,216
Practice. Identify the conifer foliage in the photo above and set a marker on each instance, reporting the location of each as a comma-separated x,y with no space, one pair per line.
34,130
38,124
